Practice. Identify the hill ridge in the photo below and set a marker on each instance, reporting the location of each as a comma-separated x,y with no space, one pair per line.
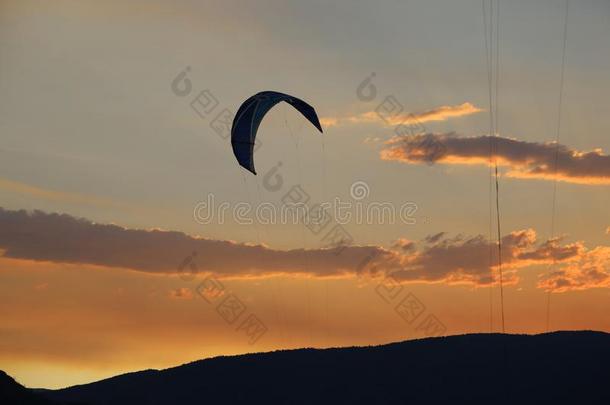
478,368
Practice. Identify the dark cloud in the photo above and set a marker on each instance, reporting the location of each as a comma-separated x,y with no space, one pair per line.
552,249
63,238
473,259
434,238
523,159
439,258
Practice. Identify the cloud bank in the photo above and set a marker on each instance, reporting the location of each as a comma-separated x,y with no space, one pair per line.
437,258
62,238
523,159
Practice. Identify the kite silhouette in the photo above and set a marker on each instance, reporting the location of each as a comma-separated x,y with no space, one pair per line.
249,116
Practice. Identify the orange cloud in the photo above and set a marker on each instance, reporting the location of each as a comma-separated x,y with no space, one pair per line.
466,260
528,160
441,113
181,293
328,122
591,269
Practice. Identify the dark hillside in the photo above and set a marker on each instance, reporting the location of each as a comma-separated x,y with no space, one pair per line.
479,368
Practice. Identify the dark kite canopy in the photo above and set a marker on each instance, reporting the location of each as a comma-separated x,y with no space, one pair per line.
249,116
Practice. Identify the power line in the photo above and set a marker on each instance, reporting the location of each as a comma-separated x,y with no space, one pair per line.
496,134
556,157
490,187
493,73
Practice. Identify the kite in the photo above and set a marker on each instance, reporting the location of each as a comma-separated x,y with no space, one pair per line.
249,116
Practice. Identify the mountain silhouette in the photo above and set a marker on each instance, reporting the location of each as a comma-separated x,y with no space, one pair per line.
11,392
559,367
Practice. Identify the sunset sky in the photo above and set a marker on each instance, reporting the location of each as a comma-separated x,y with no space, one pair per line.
109,165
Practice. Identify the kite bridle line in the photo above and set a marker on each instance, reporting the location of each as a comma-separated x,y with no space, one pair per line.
274,281
306,262
243,133
259,241
325,195
278,319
